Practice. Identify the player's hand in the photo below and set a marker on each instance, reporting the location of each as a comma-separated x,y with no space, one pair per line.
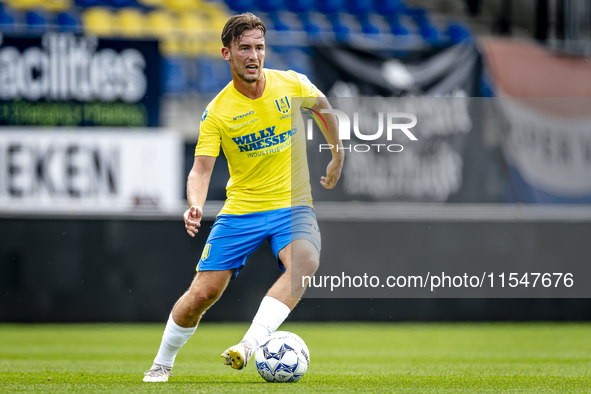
192,218
333,173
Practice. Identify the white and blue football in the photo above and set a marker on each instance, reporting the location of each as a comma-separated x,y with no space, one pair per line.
282,357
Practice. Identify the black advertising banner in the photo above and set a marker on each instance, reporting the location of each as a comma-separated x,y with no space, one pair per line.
434,85
60,79
441,71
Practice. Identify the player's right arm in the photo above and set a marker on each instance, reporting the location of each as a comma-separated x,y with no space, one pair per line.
197,186
206,151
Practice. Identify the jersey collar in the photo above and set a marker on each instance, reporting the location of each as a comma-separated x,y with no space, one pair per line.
244,98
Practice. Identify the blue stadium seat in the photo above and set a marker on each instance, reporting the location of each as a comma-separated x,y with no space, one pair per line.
93,3
457,32
418,15
396,28
278,23
340,30
332,8
122,3
36,21
240,5
366,26
426,29
298,60
268,5
361,9
299,6
357,7
309,27
430,34
388,7
274,60
90,3
6,21
487,88
173,74
280,50
329,6
68,21
212,75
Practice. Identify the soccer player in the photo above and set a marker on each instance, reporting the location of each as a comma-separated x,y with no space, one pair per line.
268,194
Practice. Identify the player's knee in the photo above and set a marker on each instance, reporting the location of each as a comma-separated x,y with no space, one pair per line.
310,266
203,299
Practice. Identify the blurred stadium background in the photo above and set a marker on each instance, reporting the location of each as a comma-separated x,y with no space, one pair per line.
100,103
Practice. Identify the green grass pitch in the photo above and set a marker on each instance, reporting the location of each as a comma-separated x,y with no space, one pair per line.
345,357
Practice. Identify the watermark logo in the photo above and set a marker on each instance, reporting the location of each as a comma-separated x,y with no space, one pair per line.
344,124
320,121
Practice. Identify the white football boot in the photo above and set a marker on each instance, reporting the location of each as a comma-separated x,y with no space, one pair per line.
158,373
237,356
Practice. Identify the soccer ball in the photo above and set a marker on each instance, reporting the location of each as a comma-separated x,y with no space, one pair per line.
283,357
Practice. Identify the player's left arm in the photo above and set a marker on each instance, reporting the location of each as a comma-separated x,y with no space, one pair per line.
331,134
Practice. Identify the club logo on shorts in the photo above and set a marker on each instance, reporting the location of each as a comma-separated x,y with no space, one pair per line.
205,253
282,104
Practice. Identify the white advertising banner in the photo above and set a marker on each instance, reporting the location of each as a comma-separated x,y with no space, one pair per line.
75,170
547,140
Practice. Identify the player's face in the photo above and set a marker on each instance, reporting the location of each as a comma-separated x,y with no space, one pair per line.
247,55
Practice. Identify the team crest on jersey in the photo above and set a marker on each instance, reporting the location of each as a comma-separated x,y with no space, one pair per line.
205,253
282,104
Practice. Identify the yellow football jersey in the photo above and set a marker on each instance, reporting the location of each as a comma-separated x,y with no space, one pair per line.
266,154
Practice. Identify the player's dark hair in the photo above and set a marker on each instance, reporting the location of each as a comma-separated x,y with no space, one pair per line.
238,24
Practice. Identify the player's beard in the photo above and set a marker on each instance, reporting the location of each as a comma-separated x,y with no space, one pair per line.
243,76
